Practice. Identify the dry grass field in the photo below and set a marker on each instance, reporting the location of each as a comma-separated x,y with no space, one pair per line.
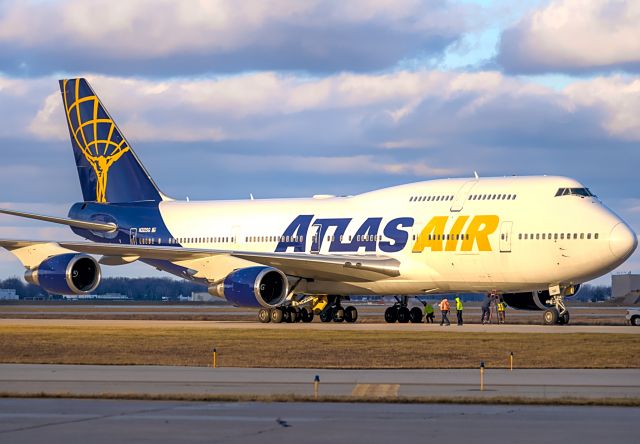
310,348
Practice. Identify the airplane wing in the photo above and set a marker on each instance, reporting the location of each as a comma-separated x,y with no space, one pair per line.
309,266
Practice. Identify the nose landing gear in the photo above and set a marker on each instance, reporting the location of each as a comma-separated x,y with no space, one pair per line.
558,314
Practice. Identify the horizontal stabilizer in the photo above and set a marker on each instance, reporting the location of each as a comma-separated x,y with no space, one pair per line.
93,226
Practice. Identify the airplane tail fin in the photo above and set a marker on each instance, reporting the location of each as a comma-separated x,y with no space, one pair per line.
108,169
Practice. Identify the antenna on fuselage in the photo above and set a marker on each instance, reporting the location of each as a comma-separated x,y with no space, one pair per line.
475,173
251,196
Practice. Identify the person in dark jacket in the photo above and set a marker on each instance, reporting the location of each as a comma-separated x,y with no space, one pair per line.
486,309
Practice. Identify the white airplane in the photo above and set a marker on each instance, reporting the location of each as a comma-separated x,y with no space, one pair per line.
531,239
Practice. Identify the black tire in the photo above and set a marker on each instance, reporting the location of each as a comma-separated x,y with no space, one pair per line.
264,315
277,315
290,315
306,314
565,318
551,316
635,320
391,315
350,314
338,314
286,315
326,315
403,315
415,315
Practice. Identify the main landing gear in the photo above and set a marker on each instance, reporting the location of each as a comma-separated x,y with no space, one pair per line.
304,310
337,313
400,312
558,314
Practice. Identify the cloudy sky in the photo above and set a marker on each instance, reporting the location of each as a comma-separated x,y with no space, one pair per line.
292,98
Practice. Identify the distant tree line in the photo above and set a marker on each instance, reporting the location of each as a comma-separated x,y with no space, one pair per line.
134,288
159,288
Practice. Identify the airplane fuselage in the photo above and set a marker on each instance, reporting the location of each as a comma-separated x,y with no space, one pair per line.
450,235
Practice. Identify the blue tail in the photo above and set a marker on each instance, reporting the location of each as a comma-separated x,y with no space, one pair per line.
108,168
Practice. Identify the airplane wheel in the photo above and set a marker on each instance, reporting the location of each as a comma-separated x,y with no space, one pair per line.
277,315
264,315
326,315
350,314
290,315
551,316
635,321
403,315
306,314
286,315
415,315
338,314
564,318
391,315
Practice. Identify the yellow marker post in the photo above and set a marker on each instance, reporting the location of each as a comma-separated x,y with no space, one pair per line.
511,361
482,376
316,386
215,358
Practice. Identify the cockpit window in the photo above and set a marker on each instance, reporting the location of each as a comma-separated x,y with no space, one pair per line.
584,192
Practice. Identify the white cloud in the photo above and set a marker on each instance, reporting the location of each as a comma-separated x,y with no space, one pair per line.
223,35
575,35
264,105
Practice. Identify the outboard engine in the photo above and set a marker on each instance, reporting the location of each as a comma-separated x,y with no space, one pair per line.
69,273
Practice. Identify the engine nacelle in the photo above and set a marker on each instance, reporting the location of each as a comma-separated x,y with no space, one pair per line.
254,287
69,273
530,300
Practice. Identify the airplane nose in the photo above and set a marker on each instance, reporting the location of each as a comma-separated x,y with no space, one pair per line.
622,241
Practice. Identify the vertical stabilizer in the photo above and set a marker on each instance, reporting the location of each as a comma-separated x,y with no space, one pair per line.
108,169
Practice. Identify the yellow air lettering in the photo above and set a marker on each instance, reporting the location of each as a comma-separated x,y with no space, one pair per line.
428,236
479,230
452,243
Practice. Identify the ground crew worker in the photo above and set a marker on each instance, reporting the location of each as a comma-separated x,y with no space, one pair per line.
502,315
486,309
459,308
428,313
444,310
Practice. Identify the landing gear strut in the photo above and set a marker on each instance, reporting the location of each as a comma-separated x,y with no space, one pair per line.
558,314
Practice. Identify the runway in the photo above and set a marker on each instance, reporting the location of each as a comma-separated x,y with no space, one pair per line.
462,383
254,325
108,421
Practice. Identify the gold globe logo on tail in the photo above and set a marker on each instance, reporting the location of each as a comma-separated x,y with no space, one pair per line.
100,152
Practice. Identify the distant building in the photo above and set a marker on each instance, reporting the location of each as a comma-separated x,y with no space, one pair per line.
8,294
626,287
202,296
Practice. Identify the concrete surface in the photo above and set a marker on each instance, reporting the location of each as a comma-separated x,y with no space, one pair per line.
470,328
106,421
98,379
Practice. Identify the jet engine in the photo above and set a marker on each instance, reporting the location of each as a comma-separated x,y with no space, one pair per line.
530,300
254,287
69,273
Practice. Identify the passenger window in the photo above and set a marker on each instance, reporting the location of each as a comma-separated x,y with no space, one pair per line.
588,235
555,236
595,236
526,236
561,235
537,236
575,235
543,236
520,236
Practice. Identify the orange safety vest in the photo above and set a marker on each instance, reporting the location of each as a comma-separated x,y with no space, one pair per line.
444,305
